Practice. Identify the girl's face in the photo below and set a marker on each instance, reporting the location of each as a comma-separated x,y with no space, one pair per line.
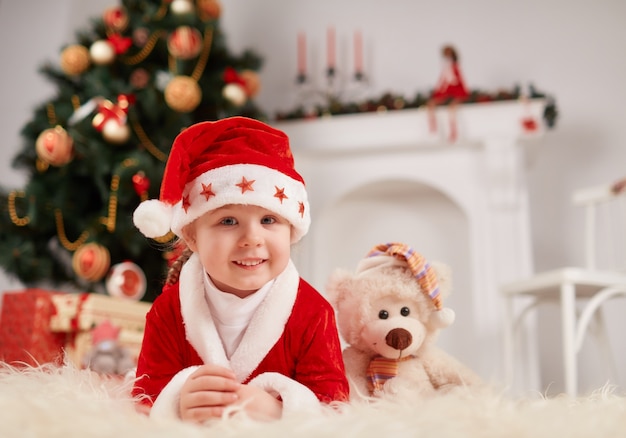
241,247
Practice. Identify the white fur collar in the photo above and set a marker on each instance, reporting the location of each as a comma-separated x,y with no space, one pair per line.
265,328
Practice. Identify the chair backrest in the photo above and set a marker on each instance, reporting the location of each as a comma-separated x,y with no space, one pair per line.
605,225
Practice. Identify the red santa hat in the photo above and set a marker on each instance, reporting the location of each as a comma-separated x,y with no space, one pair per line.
236,160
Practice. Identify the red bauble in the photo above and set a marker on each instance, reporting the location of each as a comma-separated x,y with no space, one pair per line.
185,42
115,18
55,146
91,262
126,280
141,183
209,9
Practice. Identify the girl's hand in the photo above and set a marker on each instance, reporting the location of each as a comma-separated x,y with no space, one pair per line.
207,392
259,404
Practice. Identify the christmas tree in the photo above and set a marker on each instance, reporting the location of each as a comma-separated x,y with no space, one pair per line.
145,70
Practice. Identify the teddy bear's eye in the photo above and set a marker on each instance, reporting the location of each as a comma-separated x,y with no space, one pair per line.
405,311
383,314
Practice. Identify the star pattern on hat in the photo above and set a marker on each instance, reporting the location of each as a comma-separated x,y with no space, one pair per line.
301,209
207,190
280,194
245,185
186,203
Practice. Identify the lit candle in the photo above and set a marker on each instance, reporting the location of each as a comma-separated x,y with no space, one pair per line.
331,50
358,54
301,54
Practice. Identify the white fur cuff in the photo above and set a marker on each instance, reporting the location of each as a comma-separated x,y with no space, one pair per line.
167,403
296,397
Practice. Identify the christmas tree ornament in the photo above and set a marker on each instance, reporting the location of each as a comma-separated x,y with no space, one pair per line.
141,184
111,119
91,261
115,18
182,7
115,132
235,90
235,94
55,146
184,42
141,36
183,94
252,81
139,78
126,280
102,52
75,59
120,43
209,9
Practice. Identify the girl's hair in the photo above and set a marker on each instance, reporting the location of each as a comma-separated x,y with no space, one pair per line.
173,273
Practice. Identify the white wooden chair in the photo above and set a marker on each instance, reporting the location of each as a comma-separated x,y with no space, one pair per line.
579,291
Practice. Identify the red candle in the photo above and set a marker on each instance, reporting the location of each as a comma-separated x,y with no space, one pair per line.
301,54
331,48
358,52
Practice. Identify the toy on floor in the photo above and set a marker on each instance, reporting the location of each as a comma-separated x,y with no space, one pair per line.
389,312
107,356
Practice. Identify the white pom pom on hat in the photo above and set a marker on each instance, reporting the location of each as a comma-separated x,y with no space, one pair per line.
153,218
236,160
400,254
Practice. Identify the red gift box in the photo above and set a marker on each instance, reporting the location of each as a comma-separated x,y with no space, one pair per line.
25,335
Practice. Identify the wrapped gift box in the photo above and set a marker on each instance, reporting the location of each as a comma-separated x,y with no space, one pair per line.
37,326
25,335
80,313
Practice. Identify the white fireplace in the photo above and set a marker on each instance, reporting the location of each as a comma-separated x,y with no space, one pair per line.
381,177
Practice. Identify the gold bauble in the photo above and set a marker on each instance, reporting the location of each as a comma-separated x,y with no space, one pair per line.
75,59
183,94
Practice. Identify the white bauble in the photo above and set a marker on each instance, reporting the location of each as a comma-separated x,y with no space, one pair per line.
102,52
235,93
182,7
115,132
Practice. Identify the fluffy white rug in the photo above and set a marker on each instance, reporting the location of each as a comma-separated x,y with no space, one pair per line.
66,402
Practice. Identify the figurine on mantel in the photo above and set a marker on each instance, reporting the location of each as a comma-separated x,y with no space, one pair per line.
450,89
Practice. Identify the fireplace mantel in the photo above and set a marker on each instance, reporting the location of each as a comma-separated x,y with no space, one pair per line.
481,174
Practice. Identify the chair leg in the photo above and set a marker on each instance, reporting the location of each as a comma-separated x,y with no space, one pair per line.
568,327
600,332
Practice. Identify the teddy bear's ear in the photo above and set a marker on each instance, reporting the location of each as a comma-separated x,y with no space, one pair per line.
336,289
444,277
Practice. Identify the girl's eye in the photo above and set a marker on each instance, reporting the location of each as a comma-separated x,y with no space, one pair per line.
267,220
383,314
405,311
229,221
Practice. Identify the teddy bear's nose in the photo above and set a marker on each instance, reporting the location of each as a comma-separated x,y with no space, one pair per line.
399,338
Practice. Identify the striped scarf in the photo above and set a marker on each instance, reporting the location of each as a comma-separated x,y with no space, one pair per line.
381,369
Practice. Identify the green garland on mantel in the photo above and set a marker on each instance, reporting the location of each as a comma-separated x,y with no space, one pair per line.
394,102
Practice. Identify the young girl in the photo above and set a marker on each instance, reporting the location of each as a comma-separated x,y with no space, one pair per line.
239,328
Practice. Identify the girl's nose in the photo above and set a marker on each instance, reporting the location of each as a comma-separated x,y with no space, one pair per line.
251,236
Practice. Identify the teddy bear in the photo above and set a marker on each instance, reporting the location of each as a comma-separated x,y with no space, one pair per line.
389,313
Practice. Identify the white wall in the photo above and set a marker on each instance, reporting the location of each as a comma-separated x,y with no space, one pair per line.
573,49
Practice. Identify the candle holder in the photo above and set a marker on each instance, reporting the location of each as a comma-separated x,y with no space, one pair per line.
334,90
331,94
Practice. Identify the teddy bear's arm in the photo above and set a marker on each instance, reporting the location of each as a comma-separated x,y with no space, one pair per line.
356,363
446,371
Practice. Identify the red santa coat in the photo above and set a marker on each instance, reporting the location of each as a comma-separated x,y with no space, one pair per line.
291,347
